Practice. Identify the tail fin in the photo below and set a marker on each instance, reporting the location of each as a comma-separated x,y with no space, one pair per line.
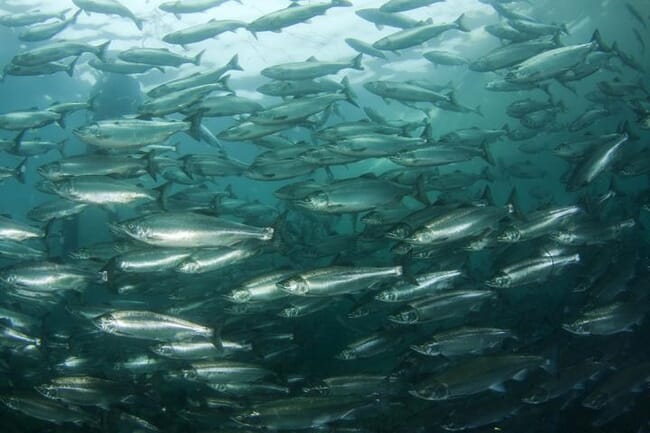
195,129
70,69
223,80
73,18
197,58
513,205
349,94
60,146
233,64
487,154
101,51
460,22
356,62
599,42
137,21
564,29
20,171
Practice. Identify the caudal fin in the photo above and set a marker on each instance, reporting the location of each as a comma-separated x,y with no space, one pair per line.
460,22
197,58
356,62
233,64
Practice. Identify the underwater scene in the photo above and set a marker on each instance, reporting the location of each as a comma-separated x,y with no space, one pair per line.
335,216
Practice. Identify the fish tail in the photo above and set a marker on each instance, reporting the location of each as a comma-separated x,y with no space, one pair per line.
74,17
602,46
460,22
197,58
70,69
20,171
233,63
101,51
138,22
349,94
356,62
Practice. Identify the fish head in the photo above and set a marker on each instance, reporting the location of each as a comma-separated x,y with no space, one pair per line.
239,295
250,418
386,296
578,327
106,323
290,312
372,218
318,200
163,349
563,237
499,282
219,387
538,396
132,229
359,312
346,355
430,349
46,186
510,234
319,389
9,278
50,171
190,374
597,400
432,391
399,231
296,285
189,267
420,237
48,391
405,317
405,158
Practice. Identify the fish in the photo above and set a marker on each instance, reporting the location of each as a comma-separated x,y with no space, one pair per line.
17,172
405,5
532,271
158,57
336,280
364,48
554,62
474,375
178,7
595,163
353,195
311,68
58,50
147,325
380,19
15,231
29,18
438,57
463,341
46,31
197,79
202,32
129,134
510,55
189,230
442,306
607,320
22,120
294,14
417,35
108,7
